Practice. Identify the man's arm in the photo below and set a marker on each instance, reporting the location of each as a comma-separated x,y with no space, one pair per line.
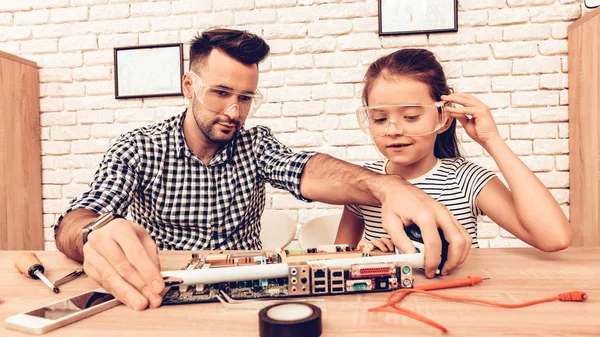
323,178
68,233
111,190
324,174
330,180
121,255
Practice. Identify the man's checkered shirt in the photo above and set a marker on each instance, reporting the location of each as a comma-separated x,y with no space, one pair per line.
184,204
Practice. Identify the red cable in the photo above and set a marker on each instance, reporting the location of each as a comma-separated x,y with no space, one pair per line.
392,304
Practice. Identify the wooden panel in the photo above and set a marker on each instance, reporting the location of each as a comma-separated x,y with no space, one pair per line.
17,59
21,225
584,126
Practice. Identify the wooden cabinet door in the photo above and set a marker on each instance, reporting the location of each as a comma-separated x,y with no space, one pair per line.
584,129
21,225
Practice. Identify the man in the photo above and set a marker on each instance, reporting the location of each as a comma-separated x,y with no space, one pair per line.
197,181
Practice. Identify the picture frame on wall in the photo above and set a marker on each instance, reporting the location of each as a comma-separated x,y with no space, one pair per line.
398,17
148,71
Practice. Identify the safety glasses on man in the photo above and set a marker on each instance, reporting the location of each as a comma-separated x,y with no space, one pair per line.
219,99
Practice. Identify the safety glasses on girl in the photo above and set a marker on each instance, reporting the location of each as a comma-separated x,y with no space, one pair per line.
402,119
218,99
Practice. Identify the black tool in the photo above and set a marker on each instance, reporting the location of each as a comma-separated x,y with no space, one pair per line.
69,277
414,234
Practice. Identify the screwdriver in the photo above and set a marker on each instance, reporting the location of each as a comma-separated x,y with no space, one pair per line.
29,265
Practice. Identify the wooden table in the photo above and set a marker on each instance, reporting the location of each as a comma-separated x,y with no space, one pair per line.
517,275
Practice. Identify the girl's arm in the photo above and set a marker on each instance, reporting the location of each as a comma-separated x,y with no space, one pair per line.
350,232
528,210
350,229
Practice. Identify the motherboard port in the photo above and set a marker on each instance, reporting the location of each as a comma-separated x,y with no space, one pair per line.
319,277
319,290
336,290
359,285
372,270
297,273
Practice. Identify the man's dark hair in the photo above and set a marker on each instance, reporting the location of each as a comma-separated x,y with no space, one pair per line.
240,45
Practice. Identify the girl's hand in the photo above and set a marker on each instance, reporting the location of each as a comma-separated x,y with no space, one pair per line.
383,244
474,116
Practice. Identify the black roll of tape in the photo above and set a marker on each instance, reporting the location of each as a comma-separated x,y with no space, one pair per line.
290,319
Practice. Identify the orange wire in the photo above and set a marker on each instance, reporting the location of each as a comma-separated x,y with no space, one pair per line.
468,281
402,293
413,315
568,297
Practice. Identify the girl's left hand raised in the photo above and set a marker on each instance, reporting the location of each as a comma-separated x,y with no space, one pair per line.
480,126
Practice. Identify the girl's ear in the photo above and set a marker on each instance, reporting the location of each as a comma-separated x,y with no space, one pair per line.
446,126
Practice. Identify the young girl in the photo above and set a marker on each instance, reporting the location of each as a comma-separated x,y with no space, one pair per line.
411,114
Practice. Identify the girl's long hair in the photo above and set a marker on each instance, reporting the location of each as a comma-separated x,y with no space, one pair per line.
420,65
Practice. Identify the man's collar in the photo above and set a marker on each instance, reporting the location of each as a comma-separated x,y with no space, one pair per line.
180,145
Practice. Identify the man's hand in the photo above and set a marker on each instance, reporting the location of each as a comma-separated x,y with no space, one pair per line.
333,181
404,204
123,258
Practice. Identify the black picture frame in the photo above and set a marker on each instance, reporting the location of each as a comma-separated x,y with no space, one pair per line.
148,71
422,21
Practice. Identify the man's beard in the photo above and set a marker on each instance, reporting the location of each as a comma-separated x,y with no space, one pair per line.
211,133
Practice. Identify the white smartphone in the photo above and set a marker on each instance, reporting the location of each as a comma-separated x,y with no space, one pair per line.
61,313
592,3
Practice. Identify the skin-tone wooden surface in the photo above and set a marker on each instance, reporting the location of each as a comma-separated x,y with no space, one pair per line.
584,108
20,155
516,275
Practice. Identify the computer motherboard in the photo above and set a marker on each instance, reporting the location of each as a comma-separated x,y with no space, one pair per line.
306,275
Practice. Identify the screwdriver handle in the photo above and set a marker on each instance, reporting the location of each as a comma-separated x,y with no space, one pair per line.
27,263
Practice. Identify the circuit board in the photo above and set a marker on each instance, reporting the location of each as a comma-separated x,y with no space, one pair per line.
304,276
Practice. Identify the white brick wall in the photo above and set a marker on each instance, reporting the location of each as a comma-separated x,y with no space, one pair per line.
511,53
